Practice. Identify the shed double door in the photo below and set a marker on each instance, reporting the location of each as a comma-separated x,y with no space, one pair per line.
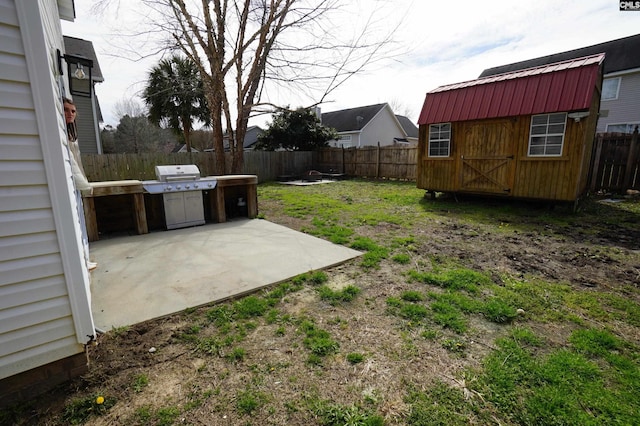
487,153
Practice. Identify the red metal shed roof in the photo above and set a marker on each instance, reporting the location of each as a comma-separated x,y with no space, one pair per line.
561,86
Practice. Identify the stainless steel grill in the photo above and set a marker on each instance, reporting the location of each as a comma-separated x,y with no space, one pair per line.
181,187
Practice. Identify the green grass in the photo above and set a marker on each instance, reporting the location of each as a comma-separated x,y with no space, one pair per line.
442,405
343,295
374,253
331,414
355,357
401,258
249,401
596,380
452,279
317,340
140,382
80,410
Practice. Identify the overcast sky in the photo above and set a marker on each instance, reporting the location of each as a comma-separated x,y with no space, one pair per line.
441,42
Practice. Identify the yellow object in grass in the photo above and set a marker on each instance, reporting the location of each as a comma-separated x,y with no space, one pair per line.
100,400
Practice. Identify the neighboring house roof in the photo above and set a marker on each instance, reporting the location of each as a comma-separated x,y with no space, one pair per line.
84,48
250,137
621,54
409,126
561,86
350,120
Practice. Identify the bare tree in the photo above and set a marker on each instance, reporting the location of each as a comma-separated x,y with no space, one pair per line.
129,106
251,50
399,107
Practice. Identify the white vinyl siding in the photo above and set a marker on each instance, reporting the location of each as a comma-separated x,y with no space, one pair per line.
37,311
626,108
382,129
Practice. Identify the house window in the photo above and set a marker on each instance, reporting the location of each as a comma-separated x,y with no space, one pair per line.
610,88
547,134
344,141
439,140
622,128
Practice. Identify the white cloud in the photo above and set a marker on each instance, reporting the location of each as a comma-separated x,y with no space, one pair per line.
445,42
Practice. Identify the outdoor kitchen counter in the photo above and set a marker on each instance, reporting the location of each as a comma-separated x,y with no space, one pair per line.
247,184
108,188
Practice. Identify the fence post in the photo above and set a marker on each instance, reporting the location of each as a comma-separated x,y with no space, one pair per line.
596,162
378,162
629,171
344,172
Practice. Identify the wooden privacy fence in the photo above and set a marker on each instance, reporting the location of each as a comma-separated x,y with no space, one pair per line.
266,165
392,162
615,166
616,163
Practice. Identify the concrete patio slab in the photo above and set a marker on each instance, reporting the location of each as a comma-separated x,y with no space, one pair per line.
148,276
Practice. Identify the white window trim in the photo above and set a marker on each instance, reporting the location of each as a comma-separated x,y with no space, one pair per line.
439,140
632,124
531,135
619,80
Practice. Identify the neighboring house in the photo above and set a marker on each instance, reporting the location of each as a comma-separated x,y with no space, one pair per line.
526,134
250,139
410,129
84,94
620,103
365,126
45,309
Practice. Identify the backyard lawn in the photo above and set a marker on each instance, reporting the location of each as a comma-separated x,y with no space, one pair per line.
460,311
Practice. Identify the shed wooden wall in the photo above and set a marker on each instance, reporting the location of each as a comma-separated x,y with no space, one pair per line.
561,178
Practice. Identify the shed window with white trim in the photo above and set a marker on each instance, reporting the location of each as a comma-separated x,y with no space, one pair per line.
547,135
440,140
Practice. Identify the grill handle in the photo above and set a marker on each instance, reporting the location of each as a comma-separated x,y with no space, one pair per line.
180,178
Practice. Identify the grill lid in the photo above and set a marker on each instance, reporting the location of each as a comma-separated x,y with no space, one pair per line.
177,172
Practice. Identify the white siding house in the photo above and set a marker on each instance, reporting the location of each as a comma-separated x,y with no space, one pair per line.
364,126
620,104
45,311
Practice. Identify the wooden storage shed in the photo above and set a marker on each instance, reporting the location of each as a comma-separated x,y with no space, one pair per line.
526,134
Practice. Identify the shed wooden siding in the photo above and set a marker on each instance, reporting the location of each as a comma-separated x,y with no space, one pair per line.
561,178
36,322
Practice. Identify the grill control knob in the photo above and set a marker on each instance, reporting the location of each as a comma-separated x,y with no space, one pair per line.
178,187
210,185
168,188
186,187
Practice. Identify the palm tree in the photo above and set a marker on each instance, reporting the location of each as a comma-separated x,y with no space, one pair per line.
175,96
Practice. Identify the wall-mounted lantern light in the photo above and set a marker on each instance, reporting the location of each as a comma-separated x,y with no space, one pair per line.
78,64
